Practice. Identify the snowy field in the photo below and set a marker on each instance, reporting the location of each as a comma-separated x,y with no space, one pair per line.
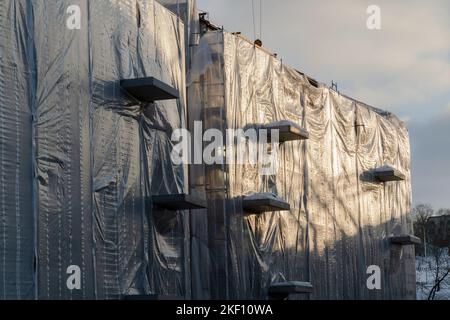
426,269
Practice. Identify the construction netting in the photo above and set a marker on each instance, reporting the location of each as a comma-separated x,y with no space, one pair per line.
80,158
340,217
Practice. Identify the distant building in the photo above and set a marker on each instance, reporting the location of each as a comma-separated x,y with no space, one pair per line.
438,231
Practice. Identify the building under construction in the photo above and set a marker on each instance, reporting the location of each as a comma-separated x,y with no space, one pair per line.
87,180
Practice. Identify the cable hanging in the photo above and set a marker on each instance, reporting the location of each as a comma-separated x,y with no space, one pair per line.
257,35
260,19
253,18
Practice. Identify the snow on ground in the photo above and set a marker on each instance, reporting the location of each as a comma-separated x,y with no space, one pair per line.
426,275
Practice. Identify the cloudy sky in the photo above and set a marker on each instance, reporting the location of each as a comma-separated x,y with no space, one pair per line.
403,68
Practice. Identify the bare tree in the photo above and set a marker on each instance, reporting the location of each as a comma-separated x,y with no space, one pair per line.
437,257
442,270
421,213
443,212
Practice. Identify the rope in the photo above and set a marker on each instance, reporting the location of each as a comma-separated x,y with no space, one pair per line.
260,19
253,17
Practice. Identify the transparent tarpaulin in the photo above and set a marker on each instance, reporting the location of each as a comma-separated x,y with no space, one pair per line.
340,217
80,158
188,12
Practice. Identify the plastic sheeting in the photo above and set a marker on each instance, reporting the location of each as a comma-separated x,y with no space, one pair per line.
80,159
16,200
340,216
187,11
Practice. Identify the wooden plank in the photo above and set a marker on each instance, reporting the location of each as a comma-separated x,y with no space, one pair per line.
177,202
262,203
149,89
284,289
405,239
288,131
387,174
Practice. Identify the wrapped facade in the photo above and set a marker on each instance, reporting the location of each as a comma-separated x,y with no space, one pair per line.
340,216
81,159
